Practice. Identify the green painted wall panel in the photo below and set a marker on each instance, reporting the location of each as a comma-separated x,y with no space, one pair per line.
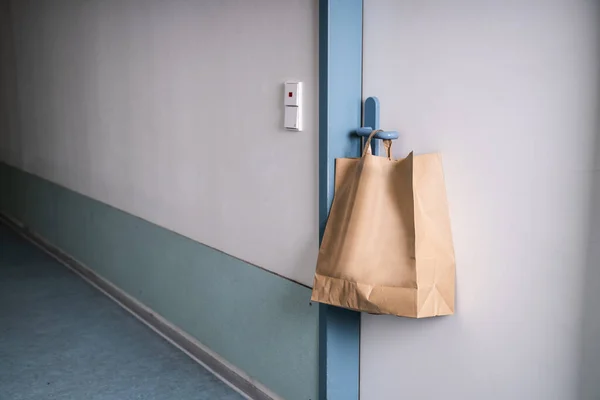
258,321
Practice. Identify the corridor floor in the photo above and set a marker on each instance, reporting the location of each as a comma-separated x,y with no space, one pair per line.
60,338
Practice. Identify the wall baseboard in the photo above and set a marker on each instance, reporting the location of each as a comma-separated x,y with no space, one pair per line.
232,376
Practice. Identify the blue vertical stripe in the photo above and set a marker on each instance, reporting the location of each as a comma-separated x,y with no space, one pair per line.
340,94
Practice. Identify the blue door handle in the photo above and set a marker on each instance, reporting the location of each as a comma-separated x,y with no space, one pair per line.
365,131
371,123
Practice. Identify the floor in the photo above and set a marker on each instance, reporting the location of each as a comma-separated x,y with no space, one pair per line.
60,338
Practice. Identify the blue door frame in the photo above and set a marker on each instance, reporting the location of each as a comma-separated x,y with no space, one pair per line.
340,105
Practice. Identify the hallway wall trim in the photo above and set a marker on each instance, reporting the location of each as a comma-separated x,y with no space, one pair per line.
228,373
175,286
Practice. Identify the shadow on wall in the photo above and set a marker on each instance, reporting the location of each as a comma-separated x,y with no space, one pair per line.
10,141
589,357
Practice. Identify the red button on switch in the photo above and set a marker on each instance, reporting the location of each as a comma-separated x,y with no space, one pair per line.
292,94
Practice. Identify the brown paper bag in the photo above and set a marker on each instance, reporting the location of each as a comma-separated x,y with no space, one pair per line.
387,247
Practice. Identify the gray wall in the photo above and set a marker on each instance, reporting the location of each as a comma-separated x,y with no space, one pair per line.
10,147
173,111
507,91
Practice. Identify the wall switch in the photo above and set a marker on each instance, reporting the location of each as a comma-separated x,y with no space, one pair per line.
293,94
292,100
292,120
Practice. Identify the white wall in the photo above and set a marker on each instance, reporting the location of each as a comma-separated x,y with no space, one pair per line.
507,91
172,111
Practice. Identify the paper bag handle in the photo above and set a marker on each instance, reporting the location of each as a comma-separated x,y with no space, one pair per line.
386,143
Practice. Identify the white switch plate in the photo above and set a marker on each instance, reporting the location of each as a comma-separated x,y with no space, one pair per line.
293,94
292,118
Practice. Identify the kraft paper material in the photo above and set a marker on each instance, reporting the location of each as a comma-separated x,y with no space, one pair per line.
387,246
